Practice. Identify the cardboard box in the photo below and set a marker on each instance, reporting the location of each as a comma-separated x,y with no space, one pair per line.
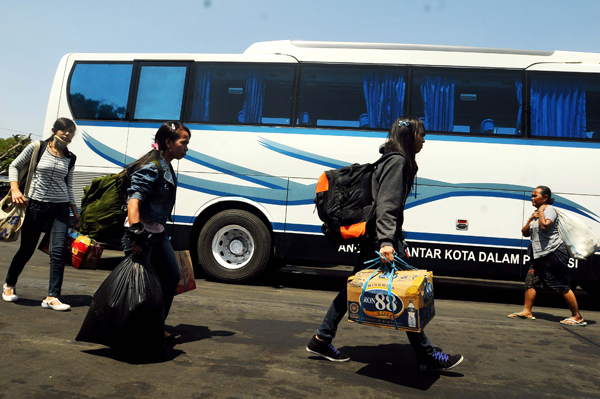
412,295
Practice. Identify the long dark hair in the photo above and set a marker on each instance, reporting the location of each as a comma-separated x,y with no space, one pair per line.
545,191
167,131
401,138
63,124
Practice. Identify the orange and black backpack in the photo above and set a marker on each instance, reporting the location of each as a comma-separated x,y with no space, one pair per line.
344,200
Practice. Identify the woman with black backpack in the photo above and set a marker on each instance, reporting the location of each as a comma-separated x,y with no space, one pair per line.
392,182
49,201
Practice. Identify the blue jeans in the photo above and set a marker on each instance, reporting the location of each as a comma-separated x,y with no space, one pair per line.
56,216
160,255
339,307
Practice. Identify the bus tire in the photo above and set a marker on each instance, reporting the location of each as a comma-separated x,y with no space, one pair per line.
234,246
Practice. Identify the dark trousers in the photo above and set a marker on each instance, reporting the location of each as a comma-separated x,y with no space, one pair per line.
160,255
339,307
39,214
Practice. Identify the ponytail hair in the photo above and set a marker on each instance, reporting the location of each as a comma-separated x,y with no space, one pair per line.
167,131
401,138
545,191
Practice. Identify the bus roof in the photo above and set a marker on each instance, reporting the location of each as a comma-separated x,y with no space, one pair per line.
415,54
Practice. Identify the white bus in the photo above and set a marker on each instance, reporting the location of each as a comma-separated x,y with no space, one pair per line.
265,124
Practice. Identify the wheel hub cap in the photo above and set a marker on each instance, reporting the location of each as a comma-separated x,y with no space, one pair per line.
233,247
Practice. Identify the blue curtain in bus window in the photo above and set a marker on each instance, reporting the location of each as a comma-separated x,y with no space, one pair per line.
201,95
438,101
558,108
519,87
384,94
253,100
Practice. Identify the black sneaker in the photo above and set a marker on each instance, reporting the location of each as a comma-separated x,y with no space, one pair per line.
441,361
326,350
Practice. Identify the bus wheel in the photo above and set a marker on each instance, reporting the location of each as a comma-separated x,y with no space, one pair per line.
234,246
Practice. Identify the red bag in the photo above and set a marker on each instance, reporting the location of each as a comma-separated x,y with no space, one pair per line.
85,252
186,271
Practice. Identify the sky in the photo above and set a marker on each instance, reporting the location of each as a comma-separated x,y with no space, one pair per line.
35,34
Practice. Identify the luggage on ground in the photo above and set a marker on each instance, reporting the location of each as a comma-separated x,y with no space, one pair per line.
83,252
127,311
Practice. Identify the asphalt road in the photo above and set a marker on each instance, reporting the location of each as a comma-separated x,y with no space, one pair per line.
248,341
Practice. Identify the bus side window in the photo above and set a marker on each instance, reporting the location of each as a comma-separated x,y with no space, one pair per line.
468,101
240,94
350,97
565,105
100,90
160,92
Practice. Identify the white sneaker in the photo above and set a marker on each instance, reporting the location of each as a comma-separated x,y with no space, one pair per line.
9,294
59,306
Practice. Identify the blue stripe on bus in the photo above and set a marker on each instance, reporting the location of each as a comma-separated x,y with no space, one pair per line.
511,141
495,194
102,123
297,194
352,133
183,219
93,145
302,155
460,239
431,237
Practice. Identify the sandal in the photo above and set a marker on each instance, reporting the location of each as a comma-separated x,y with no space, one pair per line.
519,316
572,322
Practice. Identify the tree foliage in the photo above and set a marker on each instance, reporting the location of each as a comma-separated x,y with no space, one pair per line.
10,148
86,108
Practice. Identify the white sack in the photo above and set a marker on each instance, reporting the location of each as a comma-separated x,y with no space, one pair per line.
580,240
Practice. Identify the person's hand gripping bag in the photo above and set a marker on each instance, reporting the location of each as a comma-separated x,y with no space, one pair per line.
127,311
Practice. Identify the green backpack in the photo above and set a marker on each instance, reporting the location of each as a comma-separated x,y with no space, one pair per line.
104,206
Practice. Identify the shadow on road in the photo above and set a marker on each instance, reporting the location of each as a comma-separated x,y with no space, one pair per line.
189,333
76,301
171,354
192,333
394,363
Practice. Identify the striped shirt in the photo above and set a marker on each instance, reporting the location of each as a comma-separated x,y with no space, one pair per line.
48,182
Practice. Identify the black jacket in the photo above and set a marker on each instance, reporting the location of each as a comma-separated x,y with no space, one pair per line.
390,187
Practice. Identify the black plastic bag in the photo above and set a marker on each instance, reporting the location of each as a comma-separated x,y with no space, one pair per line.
127,312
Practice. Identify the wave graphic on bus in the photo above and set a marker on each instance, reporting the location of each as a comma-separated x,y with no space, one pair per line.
275,190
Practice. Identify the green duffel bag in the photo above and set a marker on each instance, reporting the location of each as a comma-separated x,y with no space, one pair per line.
104,206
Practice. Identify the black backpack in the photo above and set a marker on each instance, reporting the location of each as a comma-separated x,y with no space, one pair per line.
344,200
